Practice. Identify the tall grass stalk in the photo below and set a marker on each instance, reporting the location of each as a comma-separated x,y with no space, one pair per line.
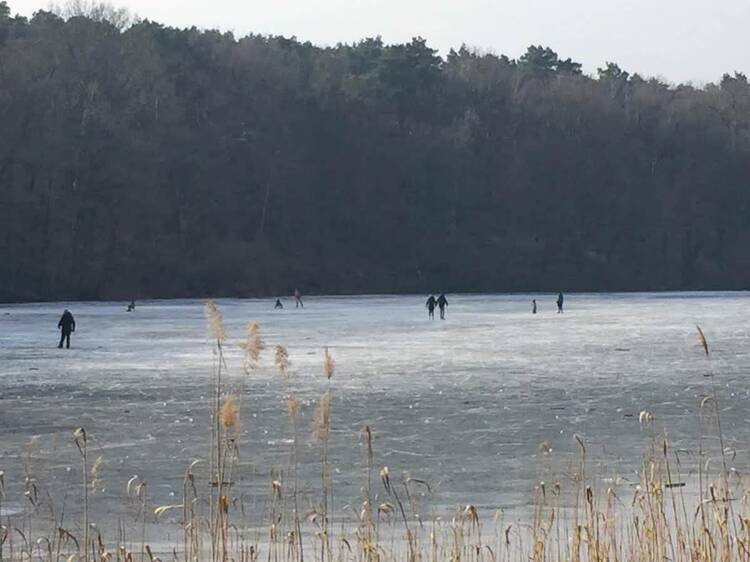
321,433
79,437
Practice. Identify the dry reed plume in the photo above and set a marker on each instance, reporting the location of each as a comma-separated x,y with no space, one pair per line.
253,345
96,481
281,360
292,407
328,364
215,322
230,414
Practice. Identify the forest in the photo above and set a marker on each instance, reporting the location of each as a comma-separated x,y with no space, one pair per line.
139,160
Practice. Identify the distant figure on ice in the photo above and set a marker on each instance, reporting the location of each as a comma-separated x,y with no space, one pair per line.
431,303
298,299
278,304
533,306
68,325
560,300
442,303
131,306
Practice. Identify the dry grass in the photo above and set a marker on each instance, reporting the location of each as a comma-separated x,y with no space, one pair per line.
702,340
577,519
328,364
230,414
292,407
281,360
253,346
321,420
215,322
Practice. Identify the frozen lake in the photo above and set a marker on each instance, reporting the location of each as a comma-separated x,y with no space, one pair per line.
462,403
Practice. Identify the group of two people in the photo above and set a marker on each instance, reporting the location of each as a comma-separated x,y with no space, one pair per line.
297,300
441,302
560,301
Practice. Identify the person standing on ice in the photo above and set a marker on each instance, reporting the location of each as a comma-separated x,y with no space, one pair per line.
533,306
442,303
560,300
431,302
278,304
298,299
68,325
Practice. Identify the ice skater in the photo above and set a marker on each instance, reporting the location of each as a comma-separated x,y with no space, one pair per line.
278,304
68,325
298,299
560,300
131,306
533,306
430,304
442,303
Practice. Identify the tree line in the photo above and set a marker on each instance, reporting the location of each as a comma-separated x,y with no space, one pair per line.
141,160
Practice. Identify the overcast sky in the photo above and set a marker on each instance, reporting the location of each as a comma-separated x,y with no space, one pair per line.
679,40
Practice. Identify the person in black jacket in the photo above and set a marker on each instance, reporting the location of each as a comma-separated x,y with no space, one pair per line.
430,304
68,325
442,303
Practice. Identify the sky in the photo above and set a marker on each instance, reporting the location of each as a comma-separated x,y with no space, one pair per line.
677,40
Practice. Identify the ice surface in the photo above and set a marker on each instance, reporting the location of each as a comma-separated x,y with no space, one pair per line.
462,403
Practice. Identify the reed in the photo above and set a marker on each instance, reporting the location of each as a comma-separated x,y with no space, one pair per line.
321,433
253,346
81,442
328,364
281,360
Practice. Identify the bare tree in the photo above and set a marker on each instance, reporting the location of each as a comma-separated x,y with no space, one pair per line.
121,18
